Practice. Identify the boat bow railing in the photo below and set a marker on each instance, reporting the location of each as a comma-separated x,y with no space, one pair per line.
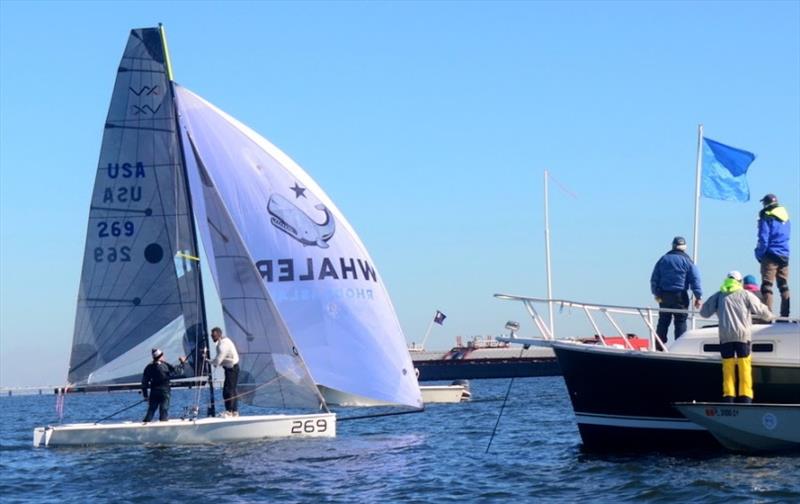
592,310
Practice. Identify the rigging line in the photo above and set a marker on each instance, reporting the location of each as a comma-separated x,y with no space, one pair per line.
126,408
253,390
503,407
561,186
376,415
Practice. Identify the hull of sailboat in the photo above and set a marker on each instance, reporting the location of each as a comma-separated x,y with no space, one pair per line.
430,394
444,394
748,427
186,432
623,399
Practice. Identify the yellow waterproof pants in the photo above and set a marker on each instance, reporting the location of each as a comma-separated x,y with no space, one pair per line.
728,377
745,376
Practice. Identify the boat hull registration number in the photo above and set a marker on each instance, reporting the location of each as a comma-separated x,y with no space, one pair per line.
309,426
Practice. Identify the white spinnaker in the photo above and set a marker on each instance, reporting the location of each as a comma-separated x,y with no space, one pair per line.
315,267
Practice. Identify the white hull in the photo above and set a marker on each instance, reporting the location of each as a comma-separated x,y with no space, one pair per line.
748,427
197,431
444,394
430,394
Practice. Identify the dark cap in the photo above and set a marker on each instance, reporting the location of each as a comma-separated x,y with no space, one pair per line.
678,241
769,199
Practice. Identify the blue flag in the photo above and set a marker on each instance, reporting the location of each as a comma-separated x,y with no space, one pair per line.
439,317
725,171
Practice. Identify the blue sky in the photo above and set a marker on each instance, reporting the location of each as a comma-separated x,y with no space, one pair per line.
429,124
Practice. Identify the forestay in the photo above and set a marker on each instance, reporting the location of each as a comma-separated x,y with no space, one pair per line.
139,286
318,273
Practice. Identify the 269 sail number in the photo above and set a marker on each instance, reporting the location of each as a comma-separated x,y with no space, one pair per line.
309,426
112,254
114,228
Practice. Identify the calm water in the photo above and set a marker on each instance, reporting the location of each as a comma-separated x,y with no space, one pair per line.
435,456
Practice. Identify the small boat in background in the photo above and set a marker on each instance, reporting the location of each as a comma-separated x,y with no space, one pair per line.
748,427
483,357
456,392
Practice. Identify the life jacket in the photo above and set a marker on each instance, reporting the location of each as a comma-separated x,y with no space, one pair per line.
730,285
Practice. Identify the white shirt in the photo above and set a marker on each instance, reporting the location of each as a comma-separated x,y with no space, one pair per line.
227,356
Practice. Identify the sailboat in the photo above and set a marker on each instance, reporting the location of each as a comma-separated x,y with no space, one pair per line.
299,292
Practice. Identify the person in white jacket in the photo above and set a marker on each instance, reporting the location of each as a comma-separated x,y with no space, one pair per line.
228,358
735,308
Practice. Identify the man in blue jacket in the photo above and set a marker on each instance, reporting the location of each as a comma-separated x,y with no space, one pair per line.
672,276
772,251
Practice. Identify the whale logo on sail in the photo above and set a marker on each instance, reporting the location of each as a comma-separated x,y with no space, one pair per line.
287,217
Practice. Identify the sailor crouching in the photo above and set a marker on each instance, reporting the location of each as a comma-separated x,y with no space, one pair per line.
156,377
734,307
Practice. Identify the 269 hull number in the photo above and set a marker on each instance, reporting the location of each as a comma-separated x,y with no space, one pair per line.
309,426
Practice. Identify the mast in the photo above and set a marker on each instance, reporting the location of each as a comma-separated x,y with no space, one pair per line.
547,252
203,320
698,172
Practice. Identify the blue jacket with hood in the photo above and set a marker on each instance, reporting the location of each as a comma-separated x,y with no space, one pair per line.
675,272
773,232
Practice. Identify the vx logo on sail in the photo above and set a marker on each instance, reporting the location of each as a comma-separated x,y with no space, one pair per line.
290,219
147,90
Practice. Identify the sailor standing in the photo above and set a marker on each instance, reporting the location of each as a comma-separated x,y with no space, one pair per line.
156,377
734,306
673,274
772,251
228,358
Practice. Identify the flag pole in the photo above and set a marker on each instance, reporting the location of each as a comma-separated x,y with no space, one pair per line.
428,332
547,252
698,171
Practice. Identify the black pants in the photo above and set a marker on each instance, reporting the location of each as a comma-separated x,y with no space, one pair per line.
675,301
734,349
229,392
159,398
775,267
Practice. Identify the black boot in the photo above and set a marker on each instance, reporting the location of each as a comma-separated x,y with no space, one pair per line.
785,307
744,399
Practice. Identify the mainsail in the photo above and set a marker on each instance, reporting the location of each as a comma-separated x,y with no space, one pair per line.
140,286
318,273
